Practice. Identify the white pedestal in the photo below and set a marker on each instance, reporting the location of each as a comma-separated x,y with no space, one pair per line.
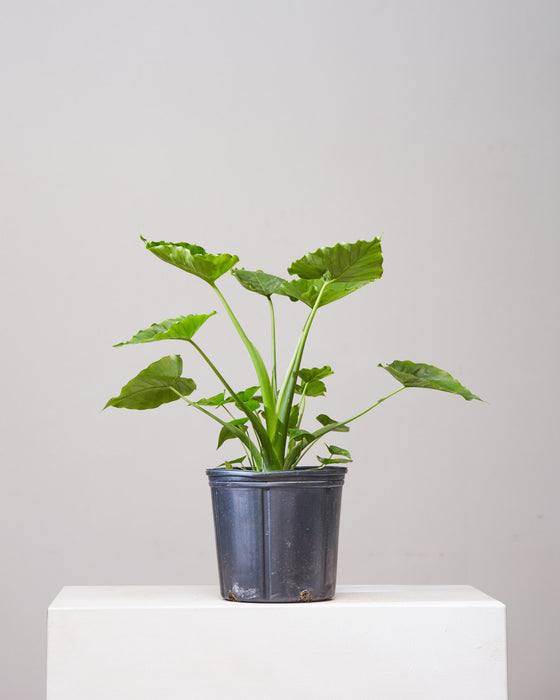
184,642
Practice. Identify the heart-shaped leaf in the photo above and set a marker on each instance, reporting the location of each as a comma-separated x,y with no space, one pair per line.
180,328
154,385
352,263
259,281
193,259
412,374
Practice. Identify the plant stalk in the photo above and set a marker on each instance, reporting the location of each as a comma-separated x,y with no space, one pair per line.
286,395
260,368
273,337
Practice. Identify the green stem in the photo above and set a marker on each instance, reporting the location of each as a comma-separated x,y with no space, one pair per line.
258,427
286,395
273,336
260,368
301,407
294,458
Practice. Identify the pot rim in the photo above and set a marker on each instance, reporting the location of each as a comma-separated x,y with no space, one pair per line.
308,475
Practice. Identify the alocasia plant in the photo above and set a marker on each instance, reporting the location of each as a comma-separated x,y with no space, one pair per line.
267,418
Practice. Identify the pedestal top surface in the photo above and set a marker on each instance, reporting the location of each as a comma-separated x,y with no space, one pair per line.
207,596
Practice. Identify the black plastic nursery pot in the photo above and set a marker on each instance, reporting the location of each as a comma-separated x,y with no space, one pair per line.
277,533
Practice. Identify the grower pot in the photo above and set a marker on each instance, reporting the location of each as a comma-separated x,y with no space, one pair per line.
277,533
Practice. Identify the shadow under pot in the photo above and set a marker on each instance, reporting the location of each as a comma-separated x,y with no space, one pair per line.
277,533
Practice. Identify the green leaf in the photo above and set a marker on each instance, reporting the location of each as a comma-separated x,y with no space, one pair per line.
307,291
308,375
333,460
297,435
294,416
154,385
227,434
412,374
244,395
193,259
259,281
359,262
310,381
325,420
217,400
228,463
180,328
314,388
334,450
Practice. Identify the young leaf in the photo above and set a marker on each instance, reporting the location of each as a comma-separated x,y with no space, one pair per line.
228,463
227,434
294,416
334,450
314,388
333,460
217,400
359,262
411,374
299,435
244,395
154,385
308,375
193,259
181,328
325,420
259,281
307,291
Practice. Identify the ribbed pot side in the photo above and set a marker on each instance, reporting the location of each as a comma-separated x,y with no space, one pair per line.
277,533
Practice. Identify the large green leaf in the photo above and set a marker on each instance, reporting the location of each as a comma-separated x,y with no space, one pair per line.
361,261
180,328
192,258
154,385
412,374
308,290
259,282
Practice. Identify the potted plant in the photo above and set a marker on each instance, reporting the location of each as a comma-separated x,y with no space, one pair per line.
276,521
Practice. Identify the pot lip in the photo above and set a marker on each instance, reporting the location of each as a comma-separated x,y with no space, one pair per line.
299,473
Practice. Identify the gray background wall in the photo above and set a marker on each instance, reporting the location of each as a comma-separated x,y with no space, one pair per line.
267,130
